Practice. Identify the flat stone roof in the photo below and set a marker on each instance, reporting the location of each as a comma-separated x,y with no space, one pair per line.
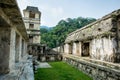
32,9
91,30
10,12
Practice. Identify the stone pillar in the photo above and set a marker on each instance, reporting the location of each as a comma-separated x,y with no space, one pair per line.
66,48
74,49
17,48
58,49
12,50
24,49
61,49
80,48
20,47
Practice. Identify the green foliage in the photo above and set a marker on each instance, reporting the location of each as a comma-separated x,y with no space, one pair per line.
58,34
60,71
43,30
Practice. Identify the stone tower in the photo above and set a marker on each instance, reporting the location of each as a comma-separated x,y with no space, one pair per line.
32,23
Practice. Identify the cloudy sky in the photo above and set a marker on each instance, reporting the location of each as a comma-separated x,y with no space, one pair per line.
55,10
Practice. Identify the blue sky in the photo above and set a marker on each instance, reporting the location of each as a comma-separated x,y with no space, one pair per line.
55,10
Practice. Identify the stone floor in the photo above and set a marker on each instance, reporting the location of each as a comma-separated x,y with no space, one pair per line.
23,70
43,65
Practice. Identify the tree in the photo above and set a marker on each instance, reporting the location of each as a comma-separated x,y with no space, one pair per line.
58,34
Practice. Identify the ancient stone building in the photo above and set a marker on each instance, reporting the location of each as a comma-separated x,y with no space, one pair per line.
98,40
95,48
32,23
14,64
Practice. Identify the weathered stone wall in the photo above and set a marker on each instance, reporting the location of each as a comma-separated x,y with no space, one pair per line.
98,40
4,50
47,57
118,38
51,54
103,49
66,48
96,69
76,48
13,42
34,49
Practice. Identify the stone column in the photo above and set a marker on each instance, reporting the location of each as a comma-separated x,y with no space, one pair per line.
17,48
12,50
66,48
24,49
20,47
80,48
61,49
74,49
77,50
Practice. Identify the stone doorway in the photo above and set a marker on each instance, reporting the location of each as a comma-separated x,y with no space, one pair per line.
86,49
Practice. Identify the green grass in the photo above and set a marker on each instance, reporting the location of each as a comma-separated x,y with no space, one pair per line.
60,71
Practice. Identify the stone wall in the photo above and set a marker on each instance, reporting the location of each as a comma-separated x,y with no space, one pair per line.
66,48
50,54
103,49
14,62
34,49
54,57
98,40
4,50
98,70
118,38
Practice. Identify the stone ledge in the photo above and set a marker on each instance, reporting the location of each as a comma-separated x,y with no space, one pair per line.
98,62
97,71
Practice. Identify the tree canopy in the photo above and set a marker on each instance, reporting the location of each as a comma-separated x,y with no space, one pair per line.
56,36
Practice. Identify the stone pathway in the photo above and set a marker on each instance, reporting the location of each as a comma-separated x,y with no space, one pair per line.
44,65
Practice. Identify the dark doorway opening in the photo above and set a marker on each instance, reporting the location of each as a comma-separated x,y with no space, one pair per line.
85,49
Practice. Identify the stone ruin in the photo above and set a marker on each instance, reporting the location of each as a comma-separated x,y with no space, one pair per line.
15,63
95,48
32,23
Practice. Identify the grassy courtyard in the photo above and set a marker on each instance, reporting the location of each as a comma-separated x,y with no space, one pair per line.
60,71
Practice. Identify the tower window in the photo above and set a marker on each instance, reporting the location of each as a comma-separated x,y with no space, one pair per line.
31,15
31,26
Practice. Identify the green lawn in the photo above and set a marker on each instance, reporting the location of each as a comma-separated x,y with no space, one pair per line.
60,71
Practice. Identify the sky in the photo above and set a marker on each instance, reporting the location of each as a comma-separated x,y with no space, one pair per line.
55,10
